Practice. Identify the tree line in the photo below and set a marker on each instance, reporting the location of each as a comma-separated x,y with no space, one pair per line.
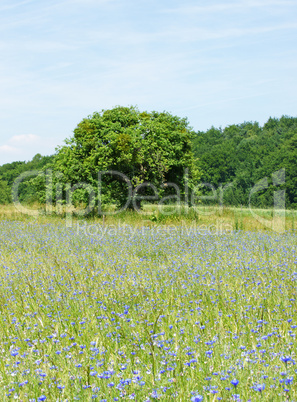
158,148
247,153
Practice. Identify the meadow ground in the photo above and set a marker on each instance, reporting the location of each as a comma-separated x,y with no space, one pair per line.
147,312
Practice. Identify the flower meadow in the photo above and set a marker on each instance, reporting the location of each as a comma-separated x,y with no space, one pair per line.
169,315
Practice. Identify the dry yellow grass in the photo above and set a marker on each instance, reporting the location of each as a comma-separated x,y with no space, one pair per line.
226,218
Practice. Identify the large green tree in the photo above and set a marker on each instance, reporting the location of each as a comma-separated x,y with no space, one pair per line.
153,148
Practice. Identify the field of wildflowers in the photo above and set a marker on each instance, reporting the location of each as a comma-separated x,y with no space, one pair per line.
163,315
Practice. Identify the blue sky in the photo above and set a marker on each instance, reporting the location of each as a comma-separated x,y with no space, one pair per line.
215,62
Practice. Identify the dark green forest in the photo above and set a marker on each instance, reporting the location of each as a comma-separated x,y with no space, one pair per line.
10,171
245,153
237,156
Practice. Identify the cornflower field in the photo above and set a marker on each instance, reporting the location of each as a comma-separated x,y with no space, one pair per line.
157,315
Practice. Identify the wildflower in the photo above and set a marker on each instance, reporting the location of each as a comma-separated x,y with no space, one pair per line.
259,387
197,398
286,359
234,382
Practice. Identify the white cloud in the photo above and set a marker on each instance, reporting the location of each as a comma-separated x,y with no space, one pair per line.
24,147
7,149
24,139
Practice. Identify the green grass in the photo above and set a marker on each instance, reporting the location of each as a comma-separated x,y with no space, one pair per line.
147,301
229,217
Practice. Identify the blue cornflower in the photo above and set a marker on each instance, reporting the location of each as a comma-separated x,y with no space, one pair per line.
285,359
234,382
197,398
259,387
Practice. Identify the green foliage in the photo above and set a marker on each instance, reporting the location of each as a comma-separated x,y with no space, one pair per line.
157,148
5,197
9,172
146,147
246,153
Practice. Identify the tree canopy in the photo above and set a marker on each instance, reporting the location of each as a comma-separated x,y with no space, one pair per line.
244,154
153,148
9,172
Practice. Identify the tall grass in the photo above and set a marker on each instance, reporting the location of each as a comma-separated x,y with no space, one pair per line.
228,217
146,312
